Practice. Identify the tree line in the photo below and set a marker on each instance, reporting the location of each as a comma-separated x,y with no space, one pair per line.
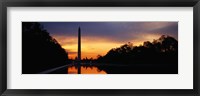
40,51
163,50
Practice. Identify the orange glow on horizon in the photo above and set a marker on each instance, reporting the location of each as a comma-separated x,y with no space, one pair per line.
91,47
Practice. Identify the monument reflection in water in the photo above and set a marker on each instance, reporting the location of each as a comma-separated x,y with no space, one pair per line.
85,70
81,69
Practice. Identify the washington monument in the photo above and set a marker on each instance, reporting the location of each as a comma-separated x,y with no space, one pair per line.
79,50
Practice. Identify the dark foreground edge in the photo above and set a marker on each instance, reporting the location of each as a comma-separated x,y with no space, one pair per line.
97,3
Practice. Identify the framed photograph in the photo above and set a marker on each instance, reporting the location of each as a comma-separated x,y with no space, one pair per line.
91,47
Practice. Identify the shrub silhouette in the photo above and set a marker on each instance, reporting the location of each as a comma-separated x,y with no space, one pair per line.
39,50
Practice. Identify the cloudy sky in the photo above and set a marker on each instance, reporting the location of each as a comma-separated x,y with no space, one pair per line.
97,38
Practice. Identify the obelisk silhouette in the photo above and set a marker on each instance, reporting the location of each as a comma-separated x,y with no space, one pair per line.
79,50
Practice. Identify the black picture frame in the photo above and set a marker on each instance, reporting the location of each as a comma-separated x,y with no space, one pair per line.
98,3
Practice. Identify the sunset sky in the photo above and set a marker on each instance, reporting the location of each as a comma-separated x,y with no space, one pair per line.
97,38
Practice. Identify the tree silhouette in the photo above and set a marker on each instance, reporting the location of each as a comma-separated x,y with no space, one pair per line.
157,54
40,51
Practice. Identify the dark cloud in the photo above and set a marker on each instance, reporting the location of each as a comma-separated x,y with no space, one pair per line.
114,31
171,30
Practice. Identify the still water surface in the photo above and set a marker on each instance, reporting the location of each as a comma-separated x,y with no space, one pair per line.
85,70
